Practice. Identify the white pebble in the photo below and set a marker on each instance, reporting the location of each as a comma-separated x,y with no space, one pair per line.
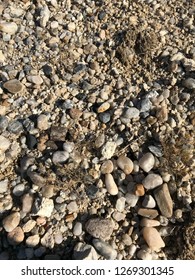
8,27
110,184
147,162
152,181
148,202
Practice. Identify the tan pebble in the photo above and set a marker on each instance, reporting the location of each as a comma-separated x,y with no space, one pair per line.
107,167
75,113
16,236
125,164
147,162
103,107
41,221
13,86
27,201
148,213
28,226
11,221
153,238
139,190
8,27
145,222
110,184
33,240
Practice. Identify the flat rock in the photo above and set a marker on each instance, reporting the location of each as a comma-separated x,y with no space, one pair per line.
84,252
47,191
152,181
77,229
139,190
153,238
164,200
131,113
125,164
110,184
28,226
8,27
145,222
3,186
13,86
42,122
16,236
100,228
104,249
189,83
58,133
147,161
27,202
37,179
148,213
11,221
120,204
4,143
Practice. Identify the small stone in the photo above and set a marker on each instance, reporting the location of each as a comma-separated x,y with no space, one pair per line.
42,122
152,181
19,190
164,200
16,236
144,255
145,222
47,191
46,208
125,164
8,27
35,79
131,113
3,123
100,140
37,179
48,240
75,113
103,107
60,157
32,240
71,26
68,147
2,57
2,156
108,149
104,249
11,221
117,216
104,117
157,151
127,240
44,16
4,143
147,162
131,199
6,203
84,252
27,202
3,186
28,226
107,167
148,213
148,202
72,207
58,133
110,184
15,127
13,86
139,190
31,141
189,83
58,238
100,228
120,204
153,238
77,229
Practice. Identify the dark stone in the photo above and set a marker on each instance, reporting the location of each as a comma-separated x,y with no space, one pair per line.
15,127
47,69
3,123
31,141
104,117
101,15
58,133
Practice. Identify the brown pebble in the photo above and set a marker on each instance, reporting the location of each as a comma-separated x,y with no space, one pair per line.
153,238
41,221
107,167
139,190
103,107
145,222
125,164
11,221
148,213
75,113
27,201
164,200
16,236
13,86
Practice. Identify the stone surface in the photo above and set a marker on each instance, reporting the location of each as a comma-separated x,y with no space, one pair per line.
164,200
131,113
37,179
77,229
4,143
148,213
153,238
60,157
3,186
120,204
145,222
11,221
152,181
125,164
104,249
32,240
108,149
147,161
144,255
189,83
42,122
100,228
107,167
131,199
16,236
13,86
47,191
8,27
72,207
110,184
148,202
35,79
48,240
27,202
84,252
45,209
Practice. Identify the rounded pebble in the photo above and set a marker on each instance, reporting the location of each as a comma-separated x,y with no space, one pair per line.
125,164
110,184
148,202
147,162
11,221
60,157
16,236
107,167
152,181
42,122
153,238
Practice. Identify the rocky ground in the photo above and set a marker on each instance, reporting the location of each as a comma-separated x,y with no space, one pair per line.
97,118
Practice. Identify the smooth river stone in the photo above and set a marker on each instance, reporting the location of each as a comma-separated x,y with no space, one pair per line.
145,222
152,181
110,184
107,167
125,164
153,238
11,221
147,162
13,86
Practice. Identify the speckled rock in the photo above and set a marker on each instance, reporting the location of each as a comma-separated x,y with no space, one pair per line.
100,228
110,184
120,204
148,213
3,186
28,226
42,122
11,221
27,202
35,79
77,229
125,164
131,199
104,249
153,238
8,27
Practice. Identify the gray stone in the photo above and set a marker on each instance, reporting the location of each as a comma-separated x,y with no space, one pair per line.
77,229
68,147
100,228
19,189
105,117
3,123
27,202
72,207
11,221
117,216
8,27
48,191
84,252
13,86
153,238
120,204
164,200
131,113
15,127
42,122
157,151
60,157
3,186
104,249
4,143
131,199
152,181
144,255
147,161
189,83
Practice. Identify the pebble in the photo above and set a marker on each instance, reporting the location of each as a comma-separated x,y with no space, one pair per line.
3,186
27,202
147,162
148,213
77,229
189,83
84,252
46,208
4,143
8,27
47,191
72,207
145,222
110,184
32,240
36,179
42,122
157,151
68,147
58,133
164,200
104,249
103,107
107,167
104,117
16,236
131,199
58,238
127,240
48,240
35,79
148,202
71,26
28,226
60,157
11,221
100,140
131,113
75,113
118,216
100,228
19,190
153,238
15,127
44,16
139,190
13,86
3,123
152,181
144,255
120,204
125,164
108,149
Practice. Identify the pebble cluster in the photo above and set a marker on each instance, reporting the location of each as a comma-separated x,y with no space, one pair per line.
97,129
